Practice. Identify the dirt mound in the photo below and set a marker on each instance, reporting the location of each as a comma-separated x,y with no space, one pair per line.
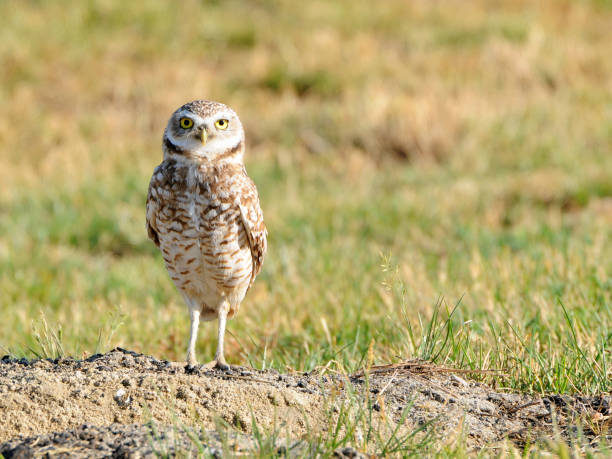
125,387
117,393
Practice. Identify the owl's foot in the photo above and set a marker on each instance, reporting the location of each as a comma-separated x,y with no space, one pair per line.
192,366
218,363
191,369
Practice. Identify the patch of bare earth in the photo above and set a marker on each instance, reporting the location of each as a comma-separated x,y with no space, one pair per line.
127,404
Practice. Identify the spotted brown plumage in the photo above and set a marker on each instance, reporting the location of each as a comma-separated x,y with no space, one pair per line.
203,213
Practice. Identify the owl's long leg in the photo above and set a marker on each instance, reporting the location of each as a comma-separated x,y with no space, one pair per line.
219,357
219,361
194,314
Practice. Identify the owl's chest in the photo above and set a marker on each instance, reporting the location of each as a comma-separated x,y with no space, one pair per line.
200,208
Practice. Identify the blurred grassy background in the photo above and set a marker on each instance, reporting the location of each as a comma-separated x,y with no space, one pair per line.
409,156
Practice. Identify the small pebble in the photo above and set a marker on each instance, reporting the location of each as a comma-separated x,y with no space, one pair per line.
459,381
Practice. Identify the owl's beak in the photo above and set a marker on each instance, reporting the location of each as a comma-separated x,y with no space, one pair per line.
203,136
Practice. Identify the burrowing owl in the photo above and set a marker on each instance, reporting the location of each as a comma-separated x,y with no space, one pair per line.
203,213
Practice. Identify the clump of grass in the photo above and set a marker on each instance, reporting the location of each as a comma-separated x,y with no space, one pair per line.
106,333
353,422
356,423
48,342
522,363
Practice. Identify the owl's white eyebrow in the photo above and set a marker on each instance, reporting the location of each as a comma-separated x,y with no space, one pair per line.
193,116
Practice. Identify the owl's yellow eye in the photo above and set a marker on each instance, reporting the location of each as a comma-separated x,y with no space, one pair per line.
186,123
222,124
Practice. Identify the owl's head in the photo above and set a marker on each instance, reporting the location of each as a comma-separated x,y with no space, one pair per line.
204,129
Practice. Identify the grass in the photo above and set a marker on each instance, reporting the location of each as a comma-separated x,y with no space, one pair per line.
435,184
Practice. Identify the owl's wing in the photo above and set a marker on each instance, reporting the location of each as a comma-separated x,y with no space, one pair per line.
153,205
252,219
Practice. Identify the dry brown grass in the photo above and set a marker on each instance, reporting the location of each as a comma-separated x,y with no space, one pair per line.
411,80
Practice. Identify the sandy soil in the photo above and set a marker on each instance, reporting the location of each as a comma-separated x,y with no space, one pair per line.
116,403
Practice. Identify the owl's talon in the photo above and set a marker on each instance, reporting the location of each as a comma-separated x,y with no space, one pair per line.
217,364
223,366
